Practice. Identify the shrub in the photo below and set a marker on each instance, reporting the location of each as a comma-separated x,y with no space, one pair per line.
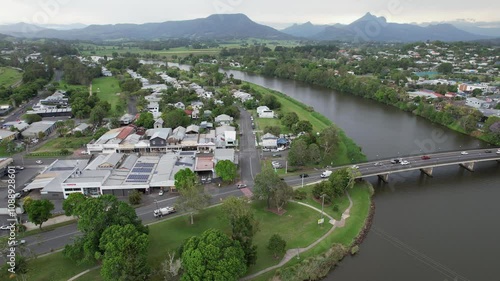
135,197
292,169
335,208
299,194
354,250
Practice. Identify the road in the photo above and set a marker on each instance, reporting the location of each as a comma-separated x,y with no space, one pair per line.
249,165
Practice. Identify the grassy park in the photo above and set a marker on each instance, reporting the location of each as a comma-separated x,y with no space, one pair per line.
55,145
107,89
298,226
9,76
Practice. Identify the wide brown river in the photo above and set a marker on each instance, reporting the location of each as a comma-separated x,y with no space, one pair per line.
441,228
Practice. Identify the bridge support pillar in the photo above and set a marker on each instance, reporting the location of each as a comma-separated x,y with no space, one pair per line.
427,171
469,166
384,177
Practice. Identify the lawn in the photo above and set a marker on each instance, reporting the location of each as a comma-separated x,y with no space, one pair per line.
265,122
53,267
9,76
107,89
69,143
63,85
298,226
360,196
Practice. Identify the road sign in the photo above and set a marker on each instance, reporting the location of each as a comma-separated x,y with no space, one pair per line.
321,221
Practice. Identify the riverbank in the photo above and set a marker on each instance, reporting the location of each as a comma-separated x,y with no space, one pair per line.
348,151
452,116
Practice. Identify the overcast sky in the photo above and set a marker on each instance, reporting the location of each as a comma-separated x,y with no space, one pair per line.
272,12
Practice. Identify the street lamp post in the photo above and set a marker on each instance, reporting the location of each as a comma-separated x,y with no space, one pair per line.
322,205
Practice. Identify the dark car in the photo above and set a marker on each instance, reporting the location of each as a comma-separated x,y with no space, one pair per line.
426,157
395,161
276,155
487,151
303,175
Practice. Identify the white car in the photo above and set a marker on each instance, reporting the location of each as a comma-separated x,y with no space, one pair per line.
377,164
239,186
464,152
405,162
498,151
161,192
20,167
355,167
39,162
5,227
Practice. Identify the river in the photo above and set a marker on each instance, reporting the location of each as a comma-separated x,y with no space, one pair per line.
440,228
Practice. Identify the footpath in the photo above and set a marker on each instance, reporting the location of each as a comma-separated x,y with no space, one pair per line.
51,221
291,253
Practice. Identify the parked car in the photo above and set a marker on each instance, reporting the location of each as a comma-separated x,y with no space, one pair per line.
304,175
426,157
19,242
5,227
17,195
464,152
20,167
239,186
276,155
161,192
266,149
39,162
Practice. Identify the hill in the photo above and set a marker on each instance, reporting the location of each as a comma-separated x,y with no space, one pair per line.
223,26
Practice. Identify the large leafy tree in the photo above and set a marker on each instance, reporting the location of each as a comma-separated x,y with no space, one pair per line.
192,199
243,225
212,256
277,245
125,253
298,154
95,216
289,119
328,140
71,203
175,118
146,120
39,211
343,179
226,170
302,126
183,178
268,185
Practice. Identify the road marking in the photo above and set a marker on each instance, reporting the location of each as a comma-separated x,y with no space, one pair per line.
57,237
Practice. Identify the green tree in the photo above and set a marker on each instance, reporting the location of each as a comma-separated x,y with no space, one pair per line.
31,118
95,216
146,120
243,225
39,211
175,118
328,140
192,198
445,68
135,197
298,154
343,179
273,130
70,204
302,126
270,187
289,119
314,153
97,115
277,245
184,178
226,170
212,256
270,101
125,253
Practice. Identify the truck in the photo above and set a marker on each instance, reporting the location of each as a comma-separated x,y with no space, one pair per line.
326,174
163,211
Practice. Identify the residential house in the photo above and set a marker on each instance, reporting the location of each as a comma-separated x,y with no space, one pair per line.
192,129
158,123
158,141
261,109
269,141
154,107
177,136
180,105
223,119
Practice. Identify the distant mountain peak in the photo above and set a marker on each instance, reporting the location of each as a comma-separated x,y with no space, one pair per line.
369,17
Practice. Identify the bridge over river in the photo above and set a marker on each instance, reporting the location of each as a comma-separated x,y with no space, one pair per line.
426,163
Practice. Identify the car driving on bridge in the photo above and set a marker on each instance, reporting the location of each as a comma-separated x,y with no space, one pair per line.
464,152
426,157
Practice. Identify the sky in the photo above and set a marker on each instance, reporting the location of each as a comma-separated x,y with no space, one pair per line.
277,13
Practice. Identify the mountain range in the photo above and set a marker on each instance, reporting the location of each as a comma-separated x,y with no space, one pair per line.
373,28
239,26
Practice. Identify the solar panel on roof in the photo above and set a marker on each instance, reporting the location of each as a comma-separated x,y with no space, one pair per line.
142,170
145,165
